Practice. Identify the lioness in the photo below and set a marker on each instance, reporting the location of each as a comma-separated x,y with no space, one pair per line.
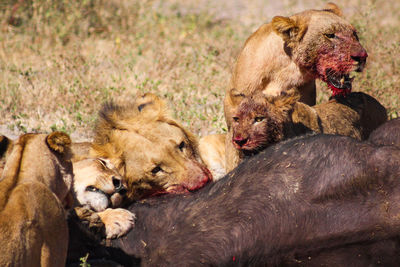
291,52
35,181
150,149
98,186
98,191
260,121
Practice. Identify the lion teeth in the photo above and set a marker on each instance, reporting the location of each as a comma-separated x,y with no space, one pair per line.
342,81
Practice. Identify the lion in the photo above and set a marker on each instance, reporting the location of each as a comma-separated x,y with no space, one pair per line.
150,149
291,52
99,187
80,150
212,153
264,120
34,188
97,184
260,121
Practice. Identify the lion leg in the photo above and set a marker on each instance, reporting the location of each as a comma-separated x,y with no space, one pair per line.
212,153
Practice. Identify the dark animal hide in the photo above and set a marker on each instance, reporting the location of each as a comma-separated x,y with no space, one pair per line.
387,134
318,200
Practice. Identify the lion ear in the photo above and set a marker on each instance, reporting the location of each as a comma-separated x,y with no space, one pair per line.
59,142
290,30
103,162
286,100
150,104
331,7
144,101
236,96
106,163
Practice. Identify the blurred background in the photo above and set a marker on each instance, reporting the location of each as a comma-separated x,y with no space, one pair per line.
60,60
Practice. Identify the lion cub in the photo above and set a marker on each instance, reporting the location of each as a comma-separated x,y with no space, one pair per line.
98,186
260,121
34,187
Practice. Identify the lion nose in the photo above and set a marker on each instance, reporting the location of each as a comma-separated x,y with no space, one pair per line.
239,141
360,56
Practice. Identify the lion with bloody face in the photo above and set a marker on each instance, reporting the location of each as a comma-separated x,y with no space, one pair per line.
150,149
261,121
291,52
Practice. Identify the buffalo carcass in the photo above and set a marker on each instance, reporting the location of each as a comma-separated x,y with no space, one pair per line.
387,134
316,200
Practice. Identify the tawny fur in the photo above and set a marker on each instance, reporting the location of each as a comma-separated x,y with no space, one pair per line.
100,174
265,120
35,182
149,148
212,152
98,186
80,150
291,52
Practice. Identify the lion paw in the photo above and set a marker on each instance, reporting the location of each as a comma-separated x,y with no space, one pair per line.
117,222
89,217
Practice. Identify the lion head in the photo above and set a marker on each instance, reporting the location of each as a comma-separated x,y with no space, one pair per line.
324,44
260,120
98,184
150,149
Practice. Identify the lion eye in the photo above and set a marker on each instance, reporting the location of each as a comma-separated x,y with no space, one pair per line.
258,119
155,170
235,119
91,188
330,35
181,146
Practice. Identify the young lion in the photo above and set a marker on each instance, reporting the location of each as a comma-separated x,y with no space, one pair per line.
260,121
264,120
99,187
150,149
291,52
34,183
98,191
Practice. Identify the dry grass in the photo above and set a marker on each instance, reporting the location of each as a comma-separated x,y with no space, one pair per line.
60,60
